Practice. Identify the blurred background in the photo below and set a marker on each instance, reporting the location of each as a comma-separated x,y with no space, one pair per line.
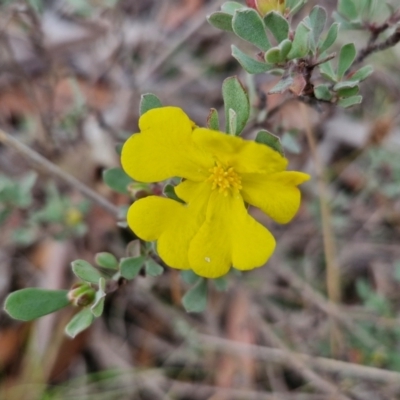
71,76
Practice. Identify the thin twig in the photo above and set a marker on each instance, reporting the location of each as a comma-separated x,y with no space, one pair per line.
374,48
54,170
282,357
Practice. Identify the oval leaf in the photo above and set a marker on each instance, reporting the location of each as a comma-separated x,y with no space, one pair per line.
106,260
131,266
85,271
31,303
117,180
149,101
249,64
236,99
248,25
346,58
221,21
152,268
278,25
79,323
195,299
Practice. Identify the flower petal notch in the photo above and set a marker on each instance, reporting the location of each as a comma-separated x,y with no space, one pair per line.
212,231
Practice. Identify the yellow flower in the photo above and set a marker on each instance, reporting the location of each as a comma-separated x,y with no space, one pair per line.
265,6
212,231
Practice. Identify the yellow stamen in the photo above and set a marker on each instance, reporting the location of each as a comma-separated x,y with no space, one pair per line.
224,178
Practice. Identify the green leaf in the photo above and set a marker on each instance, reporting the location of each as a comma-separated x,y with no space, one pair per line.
330,38
106,260
327,71
347,56
295,6
248,25
152,268
249,64
131,266
362,74
85,271
348,9
270,140
290,143
148,101
117,180
348,92
189,276
235,98
322,92
213,120
282,85
231,6
221,283
195,299
232,122
79,323
345,85
318,21
273,55
285,47
278,25
98,306
221,20
169,191
31,303
300,46
350,101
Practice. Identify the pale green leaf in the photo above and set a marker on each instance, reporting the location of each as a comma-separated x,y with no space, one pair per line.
278,25
149,101
249,64
131,266
195,299
85,271
79,323
221,20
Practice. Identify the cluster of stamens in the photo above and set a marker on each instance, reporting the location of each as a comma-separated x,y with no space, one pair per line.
224,179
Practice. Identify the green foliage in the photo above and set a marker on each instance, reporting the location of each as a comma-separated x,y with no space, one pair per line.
330,38
81,321
131,266
249,64
248,25
278,25
169,191
29,304
195,299
117,179
106,260
149,101
85,271
301,42
221,21
270,140
152,268
213,120
235,99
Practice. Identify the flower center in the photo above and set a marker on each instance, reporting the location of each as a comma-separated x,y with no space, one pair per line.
224,179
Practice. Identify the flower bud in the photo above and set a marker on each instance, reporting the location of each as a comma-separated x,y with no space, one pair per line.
265,6
81,294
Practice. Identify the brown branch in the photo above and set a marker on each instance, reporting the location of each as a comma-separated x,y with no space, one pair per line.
391,41
54,170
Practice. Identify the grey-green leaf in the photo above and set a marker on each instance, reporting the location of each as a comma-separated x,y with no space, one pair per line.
322,92
152,268
85,271
79,322
106,260
348,91
221,20
221,283
300,46
117,179
278,25
213,120
282,85
347,56
273,55
189,276
249,64
348,9
248,25
31,303
350,101
235,98
231,6
98,306
318,21
327,71
131,266
270,140
149,101
362,74
345,85
330,38
232,122
169,191
195,299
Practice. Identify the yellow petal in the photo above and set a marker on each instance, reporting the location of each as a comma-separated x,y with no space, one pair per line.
228,236
169,222
243,155
277,194
164,148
